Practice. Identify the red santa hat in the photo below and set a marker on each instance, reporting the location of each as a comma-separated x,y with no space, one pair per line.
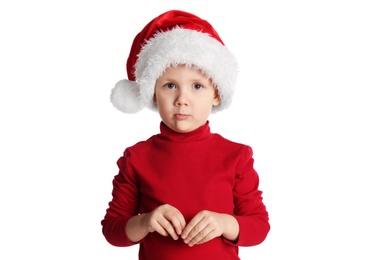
174,37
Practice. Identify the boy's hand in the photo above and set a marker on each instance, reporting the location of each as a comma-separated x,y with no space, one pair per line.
166,220
207,225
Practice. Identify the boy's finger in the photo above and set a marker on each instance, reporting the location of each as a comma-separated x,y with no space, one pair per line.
179,225
189,227
168,227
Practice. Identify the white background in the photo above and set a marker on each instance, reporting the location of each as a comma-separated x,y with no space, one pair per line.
302,103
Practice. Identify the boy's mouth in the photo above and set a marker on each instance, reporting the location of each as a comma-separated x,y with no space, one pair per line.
181,116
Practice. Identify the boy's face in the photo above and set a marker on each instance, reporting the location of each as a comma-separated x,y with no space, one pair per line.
184,97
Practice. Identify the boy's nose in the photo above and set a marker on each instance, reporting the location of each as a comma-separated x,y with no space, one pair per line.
181,99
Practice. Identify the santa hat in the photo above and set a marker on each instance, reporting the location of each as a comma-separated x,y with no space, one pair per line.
174,37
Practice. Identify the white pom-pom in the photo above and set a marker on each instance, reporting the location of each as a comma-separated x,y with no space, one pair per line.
125,96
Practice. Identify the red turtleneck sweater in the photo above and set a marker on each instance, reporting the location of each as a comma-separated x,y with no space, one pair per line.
191,171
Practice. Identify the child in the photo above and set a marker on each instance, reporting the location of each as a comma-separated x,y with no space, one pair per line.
184,193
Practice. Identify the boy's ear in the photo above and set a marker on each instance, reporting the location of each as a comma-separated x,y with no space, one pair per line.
216,99
154,99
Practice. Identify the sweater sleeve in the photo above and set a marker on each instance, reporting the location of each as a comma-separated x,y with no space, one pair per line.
249,210
124,204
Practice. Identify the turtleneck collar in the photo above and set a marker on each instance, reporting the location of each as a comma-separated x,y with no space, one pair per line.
200,134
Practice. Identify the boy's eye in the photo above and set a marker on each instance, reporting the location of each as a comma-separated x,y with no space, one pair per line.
170,85
197,86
